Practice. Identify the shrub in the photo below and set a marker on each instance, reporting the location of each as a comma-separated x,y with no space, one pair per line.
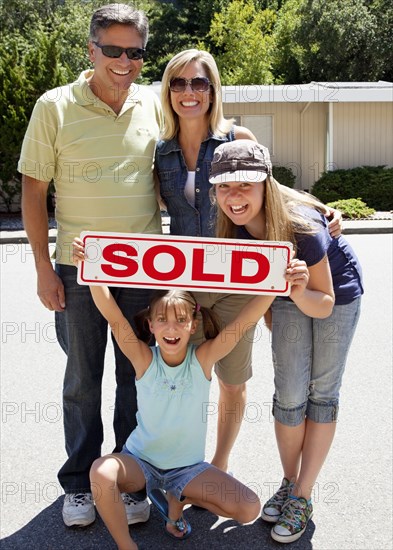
10,192
373,183
26,71
284,175
352,208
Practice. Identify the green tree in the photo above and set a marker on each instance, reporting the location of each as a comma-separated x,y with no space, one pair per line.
382,47
19,15
176,26
168,36
285,64
71,20
26,70
328,41
240,38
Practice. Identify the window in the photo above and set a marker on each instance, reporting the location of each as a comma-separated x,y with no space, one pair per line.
260,125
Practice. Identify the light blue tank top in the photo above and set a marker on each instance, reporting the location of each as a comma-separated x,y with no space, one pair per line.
171,417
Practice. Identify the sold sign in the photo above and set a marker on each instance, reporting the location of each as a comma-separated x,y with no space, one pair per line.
155,261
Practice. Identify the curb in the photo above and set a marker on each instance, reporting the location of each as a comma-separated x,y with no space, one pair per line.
368,227
19,237
361,227
367,230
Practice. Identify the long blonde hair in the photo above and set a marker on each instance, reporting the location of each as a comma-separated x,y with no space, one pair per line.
281,206
217,123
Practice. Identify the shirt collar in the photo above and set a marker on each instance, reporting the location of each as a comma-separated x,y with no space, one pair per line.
84,95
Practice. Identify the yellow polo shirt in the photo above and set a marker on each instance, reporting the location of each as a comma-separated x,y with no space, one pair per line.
101,163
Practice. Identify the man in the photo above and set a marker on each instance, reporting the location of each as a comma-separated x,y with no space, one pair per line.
96,139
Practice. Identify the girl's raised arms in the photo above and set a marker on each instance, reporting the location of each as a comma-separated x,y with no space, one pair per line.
134,349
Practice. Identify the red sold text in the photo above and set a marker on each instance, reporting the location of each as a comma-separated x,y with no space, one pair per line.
222,265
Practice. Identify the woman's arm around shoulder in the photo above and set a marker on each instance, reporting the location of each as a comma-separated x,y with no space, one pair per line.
215,349
134,349
241,132
335,225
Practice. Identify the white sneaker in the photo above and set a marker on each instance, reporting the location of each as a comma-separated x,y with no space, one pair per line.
272,509
78,509
137,511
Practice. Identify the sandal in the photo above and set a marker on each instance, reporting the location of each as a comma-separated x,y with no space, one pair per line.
160,501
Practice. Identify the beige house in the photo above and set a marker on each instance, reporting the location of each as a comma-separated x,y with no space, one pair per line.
314,127
319,126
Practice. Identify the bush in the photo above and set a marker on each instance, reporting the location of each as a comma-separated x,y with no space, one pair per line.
352,208
373,183
284,175
10,193
26,71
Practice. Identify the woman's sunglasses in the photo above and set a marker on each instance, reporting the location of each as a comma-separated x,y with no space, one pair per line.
198,84
116,51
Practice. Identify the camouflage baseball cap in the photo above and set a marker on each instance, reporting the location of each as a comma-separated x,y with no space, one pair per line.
240,160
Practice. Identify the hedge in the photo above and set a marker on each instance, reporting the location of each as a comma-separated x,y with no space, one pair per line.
284,175
373,184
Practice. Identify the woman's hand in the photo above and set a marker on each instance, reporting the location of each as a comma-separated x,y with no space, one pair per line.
78,251
335,225
298,275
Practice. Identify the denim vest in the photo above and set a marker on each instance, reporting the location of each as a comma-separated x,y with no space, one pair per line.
198,221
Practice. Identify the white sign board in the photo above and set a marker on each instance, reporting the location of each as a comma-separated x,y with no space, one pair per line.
199,264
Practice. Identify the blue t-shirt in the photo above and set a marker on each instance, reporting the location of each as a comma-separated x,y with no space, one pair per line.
171,417
311,248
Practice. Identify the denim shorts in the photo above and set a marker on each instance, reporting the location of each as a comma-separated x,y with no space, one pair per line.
173,480
309,357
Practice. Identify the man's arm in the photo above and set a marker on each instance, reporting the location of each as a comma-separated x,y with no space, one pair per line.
50,288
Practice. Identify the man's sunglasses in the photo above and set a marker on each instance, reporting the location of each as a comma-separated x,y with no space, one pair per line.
198,84
116,51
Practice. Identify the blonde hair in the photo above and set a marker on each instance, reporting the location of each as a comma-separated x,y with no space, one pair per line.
217,123
281,206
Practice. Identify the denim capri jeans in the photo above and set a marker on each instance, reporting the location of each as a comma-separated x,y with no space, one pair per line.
173,480
309,357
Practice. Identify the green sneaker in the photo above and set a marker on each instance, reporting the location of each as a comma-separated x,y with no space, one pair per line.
293,521
271,511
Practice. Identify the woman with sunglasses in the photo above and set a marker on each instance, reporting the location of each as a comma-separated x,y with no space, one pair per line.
194,127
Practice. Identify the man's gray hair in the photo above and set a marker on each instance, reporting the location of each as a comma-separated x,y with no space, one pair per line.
119,14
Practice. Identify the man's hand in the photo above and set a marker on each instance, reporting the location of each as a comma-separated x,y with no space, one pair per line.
50,289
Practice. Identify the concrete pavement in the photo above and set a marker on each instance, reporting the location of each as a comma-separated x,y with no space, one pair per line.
352,499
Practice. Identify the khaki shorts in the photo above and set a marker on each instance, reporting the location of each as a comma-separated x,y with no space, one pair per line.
236,367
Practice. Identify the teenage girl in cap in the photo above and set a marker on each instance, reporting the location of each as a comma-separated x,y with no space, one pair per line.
308,363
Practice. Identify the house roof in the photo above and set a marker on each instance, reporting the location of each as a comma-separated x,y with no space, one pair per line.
313,92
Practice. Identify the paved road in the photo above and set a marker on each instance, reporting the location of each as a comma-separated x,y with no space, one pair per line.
353,498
